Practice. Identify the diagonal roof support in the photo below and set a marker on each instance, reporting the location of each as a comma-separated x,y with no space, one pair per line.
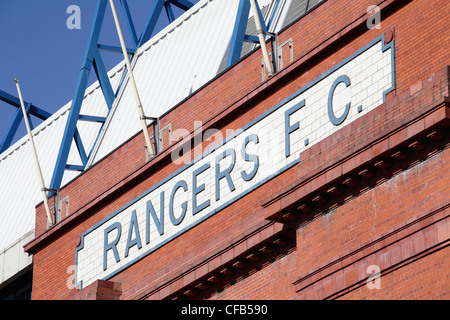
182,4
71,125
169,12
93,59
239,37
130,24
18,117
158,6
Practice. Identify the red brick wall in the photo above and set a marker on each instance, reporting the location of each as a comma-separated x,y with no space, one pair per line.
351,231
322,39
99,290
424,279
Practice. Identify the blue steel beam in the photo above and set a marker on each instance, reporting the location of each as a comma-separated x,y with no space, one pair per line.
92,59
130,24
71,125
29,118
182,4
249,38
238,37
34,111
158,6
80,147
261,18
18,116
103,79
151,23
92,118
74,167
169,12
115,48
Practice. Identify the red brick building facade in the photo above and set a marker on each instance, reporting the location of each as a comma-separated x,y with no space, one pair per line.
363,213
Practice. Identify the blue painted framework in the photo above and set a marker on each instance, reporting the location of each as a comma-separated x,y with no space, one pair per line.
18,116
239,37
93,59
384,47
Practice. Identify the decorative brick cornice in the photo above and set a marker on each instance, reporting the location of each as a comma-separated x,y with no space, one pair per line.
340,162
223,265
99,290
331,180
390,251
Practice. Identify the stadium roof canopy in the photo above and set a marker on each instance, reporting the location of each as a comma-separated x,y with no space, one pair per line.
168,68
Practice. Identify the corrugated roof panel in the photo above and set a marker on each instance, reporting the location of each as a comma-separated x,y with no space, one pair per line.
19,187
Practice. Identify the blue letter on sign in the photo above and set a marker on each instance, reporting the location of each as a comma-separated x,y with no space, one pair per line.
197,189
176,221
108,246
137,237
288,129
333,119
159,223
250,157
225,173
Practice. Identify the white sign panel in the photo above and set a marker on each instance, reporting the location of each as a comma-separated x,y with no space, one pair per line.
250,157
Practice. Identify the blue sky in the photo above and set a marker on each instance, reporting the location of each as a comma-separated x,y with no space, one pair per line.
38,48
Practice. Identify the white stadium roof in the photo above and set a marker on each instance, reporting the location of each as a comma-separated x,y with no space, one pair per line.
169,67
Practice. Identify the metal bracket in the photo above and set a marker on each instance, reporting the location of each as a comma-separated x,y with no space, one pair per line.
274,41
58,206
279,53
55,209
157,142
161,139
148,118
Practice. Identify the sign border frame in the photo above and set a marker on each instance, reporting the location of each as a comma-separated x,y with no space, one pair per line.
384,47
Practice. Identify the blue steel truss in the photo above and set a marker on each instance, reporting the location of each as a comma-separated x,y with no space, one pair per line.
93,59
18,117
239,37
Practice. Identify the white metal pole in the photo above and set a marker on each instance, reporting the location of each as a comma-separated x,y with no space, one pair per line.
36,160
262,41
133,83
